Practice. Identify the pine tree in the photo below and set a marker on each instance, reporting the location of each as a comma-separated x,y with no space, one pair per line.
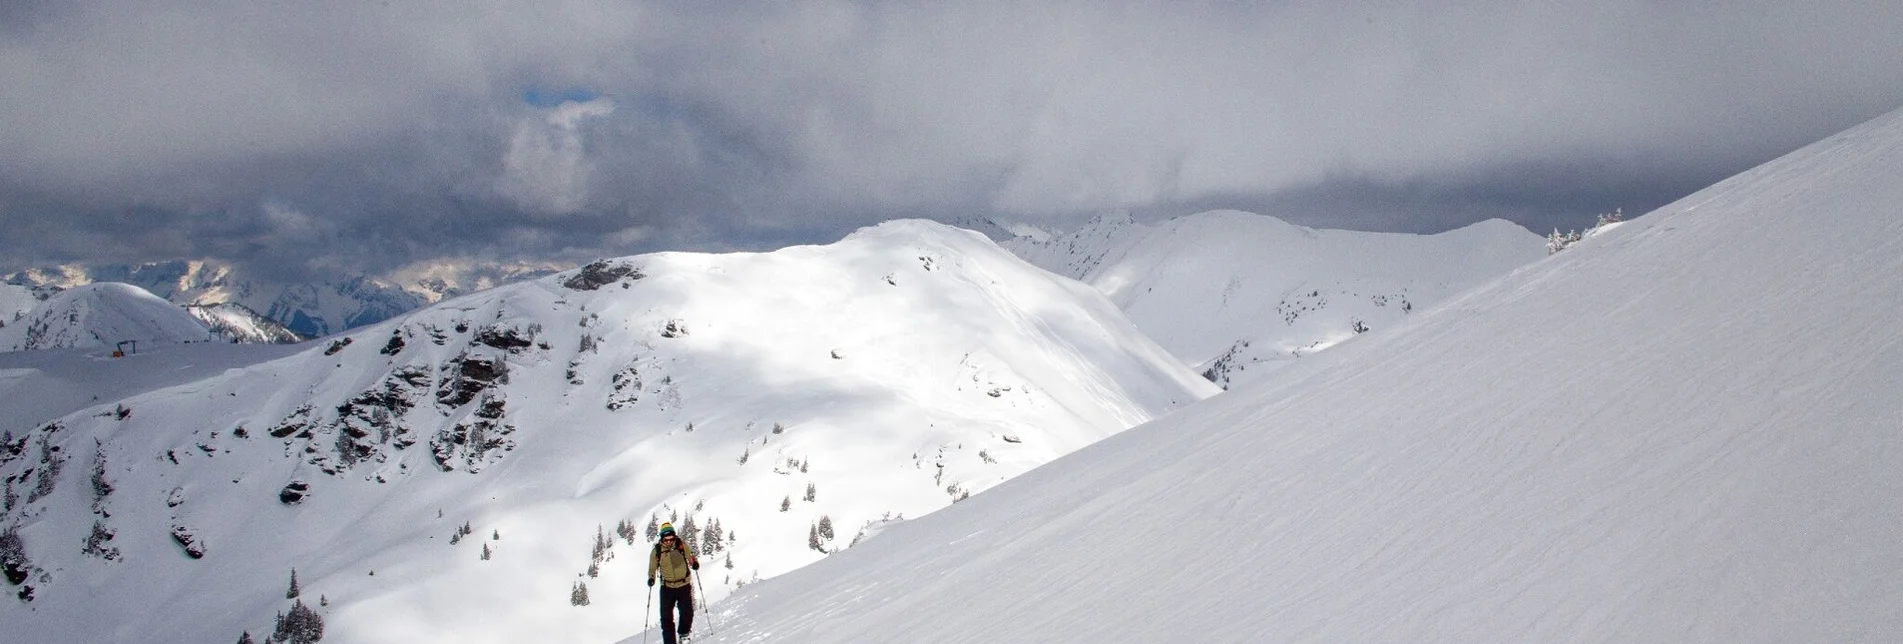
812,491
812,538
245,638
690,535
786,503
578,595
826,527
293,592
654,526
101,487
485,552
301,626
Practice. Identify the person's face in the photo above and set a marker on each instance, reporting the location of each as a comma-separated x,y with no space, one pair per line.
669,540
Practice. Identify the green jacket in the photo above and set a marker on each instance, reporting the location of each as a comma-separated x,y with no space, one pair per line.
674,564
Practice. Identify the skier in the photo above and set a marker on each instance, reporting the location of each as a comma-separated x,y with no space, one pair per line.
675,565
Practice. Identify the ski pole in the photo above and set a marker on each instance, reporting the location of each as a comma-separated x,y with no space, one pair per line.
704,604
647,614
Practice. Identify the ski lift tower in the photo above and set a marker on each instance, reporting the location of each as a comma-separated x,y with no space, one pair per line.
120,350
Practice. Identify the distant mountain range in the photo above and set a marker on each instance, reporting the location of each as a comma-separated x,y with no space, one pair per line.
309,310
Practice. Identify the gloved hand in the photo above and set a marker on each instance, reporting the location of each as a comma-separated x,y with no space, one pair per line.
694,565
650,582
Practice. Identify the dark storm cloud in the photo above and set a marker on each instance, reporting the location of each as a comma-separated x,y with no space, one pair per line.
358,136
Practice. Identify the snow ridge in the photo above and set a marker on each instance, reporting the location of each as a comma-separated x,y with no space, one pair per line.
1681,430
444,476
1263,291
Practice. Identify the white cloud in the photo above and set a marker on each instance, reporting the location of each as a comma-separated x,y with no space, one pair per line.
547,169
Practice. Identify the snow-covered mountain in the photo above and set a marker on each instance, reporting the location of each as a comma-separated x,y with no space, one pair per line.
308,309
1238,295
1683,429
441,279
101,316
454,474
238,323
15,301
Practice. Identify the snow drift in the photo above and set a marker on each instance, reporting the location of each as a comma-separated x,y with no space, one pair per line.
1686,429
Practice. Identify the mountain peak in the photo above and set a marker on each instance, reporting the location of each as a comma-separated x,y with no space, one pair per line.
101,315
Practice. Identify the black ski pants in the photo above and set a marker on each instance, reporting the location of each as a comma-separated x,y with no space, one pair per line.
671,598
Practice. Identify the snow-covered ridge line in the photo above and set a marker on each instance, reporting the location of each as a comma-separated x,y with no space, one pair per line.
1237,295
1684,429
459,460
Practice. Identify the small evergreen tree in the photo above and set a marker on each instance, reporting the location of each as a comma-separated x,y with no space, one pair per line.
485,552
101,487
293,591
245,638
812,492
301,626
786,503
13,560
690,535
654,526
578,595
826,527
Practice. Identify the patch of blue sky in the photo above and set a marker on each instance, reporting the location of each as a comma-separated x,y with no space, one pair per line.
542,97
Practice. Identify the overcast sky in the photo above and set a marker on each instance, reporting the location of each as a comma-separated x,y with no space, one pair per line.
353,135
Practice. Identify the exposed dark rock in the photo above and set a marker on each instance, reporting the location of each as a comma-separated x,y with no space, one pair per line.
193,547
395,344
601,273
470,375
294,492
507,339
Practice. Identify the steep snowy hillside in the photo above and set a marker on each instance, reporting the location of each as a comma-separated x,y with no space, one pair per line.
15,301
458,473
101,316
238,323
1686,429
1238,295
311,310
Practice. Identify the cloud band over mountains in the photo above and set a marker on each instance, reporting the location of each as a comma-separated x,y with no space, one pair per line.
328,136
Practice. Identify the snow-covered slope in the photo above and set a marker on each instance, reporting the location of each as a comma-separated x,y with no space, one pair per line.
102,315
15,301
1238,295
39,386
781,402
238,323
1686,429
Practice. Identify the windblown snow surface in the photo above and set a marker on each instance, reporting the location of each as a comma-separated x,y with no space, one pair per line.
795,399
1687,429
102,315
